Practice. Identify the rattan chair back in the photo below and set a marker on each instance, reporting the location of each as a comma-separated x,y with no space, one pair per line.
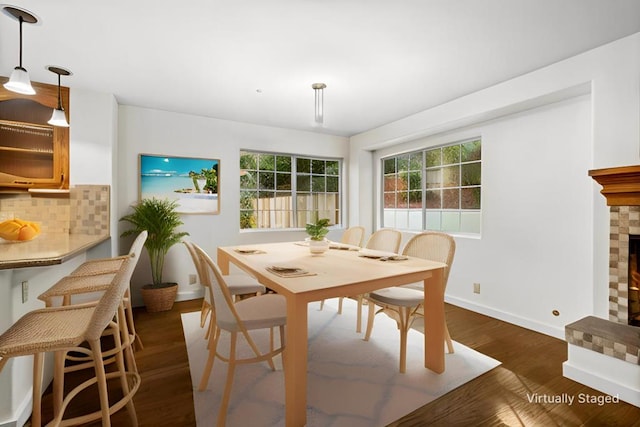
200,270
434,246
353,236
386,239
108,304
221,298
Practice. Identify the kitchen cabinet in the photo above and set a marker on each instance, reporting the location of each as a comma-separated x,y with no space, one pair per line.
33,154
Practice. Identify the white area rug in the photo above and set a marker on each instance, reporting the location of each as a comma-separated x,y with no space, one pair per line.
351,382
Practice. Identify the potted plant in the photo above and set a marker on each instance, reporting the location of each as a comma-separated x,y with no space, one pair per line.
316,231
160,219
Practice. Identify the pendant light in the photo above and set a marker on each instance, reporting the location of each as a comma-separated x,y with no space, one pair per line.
58,118
19,81
318,88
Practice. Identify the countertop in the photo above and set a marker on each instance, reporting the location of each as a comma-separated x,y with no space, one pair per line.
46,249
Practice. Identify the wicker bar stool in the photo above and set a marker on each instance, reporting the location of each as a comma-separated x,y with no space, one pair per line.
95,276
64,329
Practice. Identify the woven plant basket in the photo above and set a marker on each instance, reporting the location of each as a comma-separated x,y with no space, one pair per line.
159,299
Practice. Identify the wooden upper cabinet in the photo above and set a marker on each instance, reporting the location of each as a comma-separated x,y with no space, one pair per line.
33,154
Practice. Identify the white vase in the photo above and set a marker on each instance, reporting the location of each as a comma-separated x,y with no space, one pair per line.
318,247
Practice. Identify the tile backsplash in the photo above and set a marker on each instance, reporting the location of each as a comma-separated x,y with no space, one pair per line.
84,210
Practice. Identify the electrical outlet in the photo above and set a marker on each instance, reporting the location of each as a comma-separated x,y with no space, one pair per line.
193,279
476,288
25,291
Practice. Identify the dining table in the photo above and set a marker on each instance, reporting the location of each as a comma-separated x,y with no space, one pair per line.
289,269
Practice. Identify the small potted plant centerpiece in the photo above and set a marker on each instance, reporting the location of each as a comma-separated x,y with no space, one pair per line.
160,219
316,231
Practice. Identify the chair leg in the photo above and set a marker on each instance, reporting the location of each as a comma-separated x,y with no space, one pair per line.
372,314
58,381
207,332
360,300
447,338
321,305
222,412
127,339
126,392
213,344
36,415
204,312
101,378
340,305
132,327
403,326
270,360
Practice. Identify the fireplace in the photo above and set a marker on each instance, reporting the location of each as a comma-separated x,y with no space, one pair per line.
619,335
605,353
621,188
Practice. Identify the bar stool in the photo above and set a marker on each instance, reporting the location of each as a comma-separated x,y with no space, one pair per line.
94,276
89,278
64,329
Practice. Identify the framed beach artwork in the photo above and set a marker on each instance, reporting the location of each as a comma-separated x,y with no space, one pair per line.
192,182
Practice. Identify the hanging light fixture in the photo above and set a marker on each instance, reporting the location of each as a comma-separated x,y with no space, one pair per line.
58,118
19,81
318,88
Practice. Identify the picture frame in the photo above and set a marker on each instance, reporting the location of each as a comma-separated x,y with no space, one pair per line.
193,182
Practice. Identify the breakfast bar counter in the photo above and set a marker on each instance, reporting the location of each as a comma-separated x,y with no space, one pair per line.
46,249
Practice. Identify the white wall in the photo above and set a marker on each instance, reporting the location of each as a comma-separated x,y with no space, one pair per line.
93,147
160,132
92,140
549,252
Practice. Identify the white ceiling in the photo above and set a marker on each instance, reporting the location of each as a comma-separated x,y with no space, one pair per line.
255,60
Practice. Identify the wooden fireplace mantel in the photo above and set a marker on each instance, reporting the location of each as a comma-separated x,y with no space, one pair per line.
620,185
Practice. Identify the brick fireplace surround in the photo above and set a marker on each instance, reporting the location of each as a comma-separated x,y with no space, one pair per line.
615,337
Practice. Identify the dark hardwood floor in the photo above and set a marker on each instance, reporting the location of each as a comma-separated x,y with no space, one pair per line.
531,363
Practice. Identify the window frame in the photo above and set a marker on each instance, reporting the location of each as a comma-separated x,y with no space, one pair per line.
423,150
293,191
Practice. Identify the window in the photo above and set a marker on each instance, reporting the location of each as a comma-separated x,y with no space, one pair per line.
287,191
434,189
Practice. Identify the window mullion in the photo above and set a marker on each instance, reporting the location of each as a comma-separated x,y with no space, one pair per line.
294,190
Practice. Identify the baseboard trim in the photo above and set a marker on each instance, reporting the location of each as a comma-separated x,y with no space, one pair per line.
190,294
22,413
508,317
589,367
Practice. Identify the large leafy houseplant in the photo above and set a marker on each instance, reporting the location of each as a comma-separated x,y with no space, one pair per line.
160,219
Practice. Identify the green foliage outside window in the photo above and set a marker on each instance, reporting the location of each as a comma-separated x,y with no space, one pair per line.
444,179
287,191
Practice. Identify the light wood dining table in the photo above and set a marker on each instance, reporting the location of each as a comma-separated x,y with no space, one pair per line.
335,273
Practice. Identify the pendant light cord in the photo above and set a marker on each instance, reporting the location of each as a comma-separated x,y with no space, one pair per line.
59,97
20,20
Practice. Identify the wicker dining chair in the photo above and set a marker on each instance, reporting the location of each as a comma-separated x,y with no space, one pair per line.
387,240
352,236
261,312
240,285
63,329
405,303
